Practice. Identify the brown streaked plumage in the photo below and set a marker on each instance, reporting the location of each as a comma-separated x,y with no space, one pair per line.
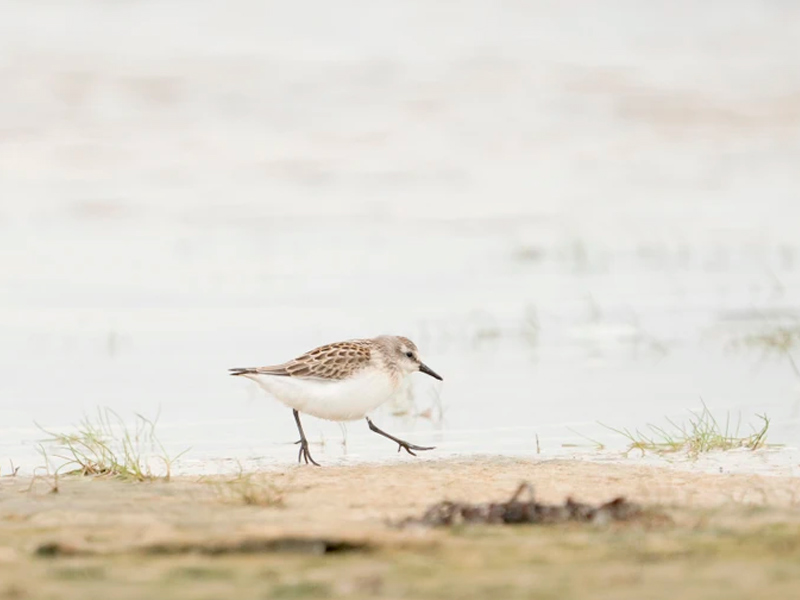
332,361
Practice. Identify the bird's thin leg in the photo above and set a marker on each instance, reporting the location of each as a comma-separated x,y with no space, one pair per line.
304,454
401,444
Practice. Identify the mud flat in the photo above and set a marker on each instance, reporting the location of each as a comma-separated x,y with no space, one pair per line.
331,532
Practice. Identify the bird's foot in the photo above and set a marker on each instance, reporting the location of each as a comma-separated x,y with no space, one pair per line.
401,444
304,453
409,447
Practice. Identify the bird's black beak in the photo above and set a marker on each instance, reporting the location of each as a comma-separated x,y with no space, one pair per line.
428,371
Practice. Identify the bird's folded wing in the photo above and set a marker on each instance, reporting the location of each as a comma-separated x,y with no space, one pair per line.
334,361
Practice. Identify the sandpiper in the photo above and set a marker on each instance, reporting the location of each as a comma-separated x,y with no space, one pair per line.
342,381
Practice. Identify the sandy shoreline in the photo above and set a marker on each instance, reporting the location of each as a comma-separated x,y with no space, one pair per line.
101,531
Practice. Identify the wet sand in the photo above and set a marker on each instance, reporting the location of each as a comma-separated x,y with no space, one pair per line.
307,532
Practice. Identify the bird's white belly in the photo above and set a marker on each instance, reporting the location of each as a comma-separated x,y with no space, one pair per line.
335,400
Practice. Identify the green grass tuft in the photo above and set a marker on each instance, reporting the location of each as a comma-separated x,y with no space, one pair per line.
700,434
105,446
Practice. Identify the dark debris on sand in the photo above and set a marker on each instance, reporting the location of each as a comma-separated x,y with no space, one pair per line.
516,511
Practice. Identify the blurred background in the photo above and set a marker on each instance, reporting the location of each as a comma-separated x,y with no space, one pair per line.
581,211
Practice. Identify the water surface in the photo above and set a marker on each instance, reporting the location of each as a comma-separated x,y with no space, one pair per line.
573,208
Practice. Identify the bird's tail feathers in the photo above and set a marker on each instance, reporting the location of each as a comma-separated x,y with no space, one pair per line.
242,371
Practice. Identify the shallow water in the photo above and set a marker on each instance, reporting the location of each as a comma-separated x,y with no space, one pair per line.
573,212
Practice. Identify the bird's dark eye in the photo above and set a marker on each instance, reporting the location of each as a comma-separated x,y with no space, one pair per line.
410,354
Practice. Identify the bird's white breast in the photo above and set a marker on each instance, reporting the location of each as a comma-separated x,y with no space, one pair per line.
333,399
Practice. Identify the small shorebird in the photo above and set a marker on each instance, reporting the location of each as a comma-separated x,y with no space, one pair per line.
342,381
